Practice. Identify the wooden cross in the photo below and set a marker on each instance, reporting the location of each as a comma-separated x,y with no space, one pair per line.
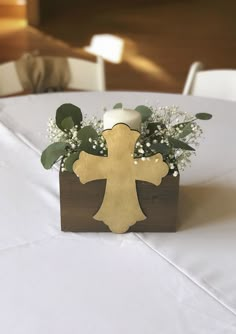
120,207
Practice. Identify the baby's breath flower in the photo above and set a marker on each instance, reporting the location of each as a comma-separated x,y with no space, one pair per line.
175,173
168,122
141,150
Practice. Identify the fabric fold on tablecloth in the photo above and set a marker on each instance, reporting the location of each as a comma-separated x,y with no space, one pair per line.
205,244
20,166
59,285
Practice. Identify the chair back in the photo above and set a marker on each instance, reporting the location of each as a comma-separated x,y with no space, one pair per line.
219,84
86,75
9,81
36,74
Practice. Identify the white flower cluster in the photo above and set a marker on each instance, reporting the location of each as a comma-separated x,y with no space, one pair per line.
169,122
56,135
98,145
165,125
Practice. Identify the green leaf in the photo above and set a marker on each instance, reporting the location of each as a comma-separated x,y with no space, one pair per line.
160,148
145,112
179,125
87,132
67,123
152,127
67,116
186,130
180,144
118,106
70,161
52,153
84,134
203,116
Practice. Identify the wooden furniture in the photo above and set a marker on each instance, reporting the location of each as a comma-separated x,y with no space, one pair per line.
120,208
79,203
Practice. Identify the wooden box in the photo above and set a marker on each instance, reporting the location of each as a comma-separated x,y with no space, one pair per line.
79,203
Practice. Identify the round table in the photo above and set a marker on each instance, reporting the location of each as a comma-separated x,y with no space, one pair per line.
56,282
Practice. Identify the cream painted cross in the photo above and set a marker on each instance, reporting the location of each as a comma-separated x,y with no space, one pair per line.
120,207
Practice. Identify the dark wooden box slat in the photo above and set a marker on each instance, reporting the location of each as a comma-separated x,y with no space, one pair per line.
79,203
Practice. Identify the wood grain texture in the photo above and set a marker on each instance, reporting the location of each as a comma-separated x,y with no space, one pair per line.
120,208
79,203
13,10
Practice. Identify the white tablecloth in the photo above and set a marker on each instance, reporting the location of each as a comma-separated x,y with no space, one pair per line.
70,283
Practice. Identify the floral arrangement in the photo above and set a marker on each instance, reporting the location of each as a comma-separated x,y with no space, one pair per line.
166,130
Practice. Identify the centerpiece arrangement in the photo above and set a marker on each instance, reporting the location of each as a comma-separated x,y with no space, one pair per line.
126,155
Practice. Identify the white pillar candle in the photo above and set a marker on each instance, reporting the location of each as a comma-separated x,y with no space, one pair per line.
127,116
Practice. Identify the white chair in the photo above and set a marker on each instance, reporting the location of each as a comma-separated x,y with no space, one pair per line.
83,75
212,83
86,75
9,81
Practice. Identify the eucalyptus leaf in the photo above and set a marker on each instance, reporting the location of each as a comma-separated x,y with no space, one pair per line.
87,132
84,134
186,130
52,153
67,116
180,144
203,116
160,148
118,106
145,112
67,123
183,124
152,127
70,161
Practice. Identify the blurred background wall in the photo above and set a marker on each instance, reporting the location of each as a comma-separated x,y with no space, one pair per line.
161,38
